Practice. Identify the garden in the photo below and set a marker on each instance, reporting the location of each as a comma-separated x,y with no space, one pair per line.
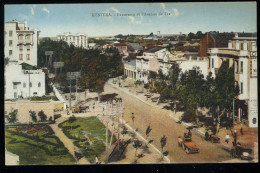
36,145
89,134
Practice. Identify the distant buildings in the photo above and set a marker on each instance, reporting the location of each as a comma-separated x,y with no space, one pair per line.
22,78
78,40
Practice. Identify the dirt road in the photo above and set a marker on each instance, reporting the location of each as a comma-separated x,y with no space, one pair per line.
162,124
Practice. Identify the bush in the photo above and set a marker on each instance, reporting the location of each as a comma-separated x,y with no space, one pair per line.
56,116
42,116
33,115
11,118
50,118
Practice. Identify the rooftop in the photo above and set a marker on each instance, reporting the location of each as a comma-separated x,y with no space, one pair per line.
132,63
155,49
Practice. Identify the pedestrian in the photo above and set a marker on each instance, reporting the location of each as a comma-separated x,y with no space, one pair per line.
241,131
207,136
235,136
133,117
227,138
189,133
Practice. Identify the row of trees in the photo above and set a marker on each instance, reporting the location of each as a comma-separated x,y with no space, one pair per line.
95,66
193,91
191,36
12,116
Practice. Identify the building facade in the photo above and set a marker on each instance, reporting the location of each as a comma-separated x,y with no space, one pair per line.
22,78
241,53
23,83
78,40
130,69
20,43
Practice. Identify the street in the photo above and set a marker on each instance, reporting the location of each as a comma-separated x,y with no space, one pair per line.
162,124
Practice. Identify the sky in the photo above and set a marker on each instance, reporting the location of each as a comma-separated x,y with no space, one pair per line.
168,18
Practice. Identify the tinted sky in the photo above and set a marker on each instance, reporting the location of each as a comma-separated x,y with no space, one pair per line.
52,20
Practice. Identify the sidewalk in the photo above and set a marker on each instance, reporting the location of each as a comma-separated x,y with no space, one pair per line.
250,136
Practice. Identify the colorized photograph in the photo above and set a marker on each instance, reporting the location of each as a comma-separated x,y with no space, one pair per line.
130,83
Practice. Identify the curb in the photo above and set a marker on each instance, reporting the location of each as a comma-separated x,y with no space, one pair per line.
128,126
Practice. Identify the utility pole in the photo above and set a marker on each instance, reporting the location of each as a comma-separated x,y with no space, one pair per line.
29,85
70,92
76,86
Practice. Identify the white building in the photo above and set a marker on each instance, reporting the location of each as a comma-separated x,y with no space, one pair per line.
78,40
20,42
242,55
130,69
21,48
148,62
23,83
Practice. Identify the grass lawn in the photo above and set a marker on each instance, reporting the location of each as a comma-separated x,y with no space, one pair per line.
39,148
94,129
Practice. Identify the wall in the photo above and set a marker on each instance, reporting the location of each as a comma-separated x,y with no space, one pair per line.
188,65
14,73
24,106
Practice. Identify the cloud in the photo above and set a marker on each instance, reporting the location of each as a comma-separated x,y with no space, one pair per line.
164,8
115,10
133,20
46,10
32,11
176,12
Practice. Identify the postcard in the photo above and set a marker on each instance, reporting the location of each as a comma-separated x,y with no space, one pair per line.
137,83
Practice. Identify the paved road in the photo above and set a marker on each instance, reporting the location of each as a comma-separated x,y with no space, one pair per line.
162,124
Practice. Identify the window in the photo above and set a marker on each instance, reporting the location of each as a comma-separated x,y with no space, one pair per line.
241,87
21,47
28,56
20,37
14,86
20,56
24,85
241,67
28,37
15,94
254,120
212,62
30,84
10,33
10,42
39,84
236,66
10,52
28,47
241,46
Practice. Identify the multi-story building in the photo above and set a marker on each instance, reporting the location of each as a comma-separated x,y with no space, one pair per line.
78,40
20,42
241,53
22,78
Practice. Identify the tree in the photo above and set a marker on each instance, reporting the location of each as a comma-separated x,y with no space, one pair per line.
223,93
33,116
191,36
42,115
147,132
71,120
12,117
163,143
137,144
191,92
199,35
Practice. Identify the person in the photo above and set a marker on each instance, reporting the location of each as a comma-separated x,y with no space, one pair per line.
189,133
235,136
241,131
227,138
207,136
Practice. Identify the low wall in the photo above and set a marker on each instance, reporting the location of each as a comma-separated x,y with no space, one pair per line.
24,106
59,96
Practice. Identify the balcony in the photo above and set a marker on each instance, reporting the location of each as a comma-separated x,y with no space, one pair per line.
25,42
